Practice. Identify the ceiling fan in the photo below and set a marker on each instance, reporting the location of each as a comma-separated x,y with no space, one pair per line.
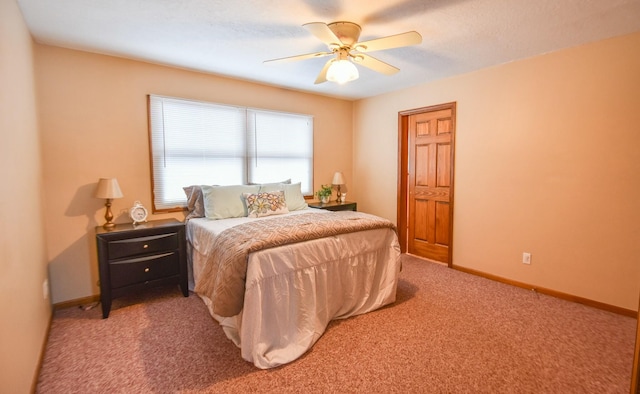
342,40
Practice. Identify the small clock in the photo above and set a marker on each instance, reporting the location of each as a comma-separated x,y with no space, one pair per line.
138,213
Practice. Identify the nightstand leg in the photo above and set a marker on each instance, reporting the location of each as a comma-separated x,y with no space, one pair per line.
185,289
106,307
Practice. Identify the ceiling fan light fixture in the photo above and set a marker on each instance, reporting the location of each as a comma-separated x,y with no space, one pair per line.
342,71
342,40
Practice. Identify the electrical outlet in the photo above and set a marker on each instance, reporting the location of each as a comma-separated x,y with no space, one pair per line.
45,289
526,258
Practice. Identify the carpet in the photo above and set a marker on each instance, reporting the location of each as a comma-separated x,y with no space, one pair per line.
447,332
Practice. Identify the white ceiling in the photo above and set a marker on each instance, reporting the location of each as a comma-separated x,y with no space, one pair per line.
233,38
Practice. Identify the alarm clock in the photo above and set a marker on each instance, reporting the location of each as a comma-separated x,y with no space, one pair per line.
138,213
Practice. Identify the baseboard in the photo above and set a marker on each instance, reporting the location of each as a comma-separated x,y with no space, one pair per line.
34,382
77,302
553,293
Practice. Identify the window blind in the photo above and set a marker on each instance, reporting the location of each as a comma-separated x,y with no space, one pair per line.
199,143
280,144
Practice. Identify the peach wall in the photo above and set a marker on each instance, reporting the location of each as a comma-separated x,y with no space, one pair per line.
24,309
546,162
93,112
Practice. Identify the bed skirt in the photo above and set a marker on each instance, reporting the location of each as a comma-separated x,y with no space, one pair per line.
294,291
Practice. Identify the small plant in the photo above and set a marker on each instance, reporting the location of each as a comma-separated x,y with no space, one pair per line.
324,193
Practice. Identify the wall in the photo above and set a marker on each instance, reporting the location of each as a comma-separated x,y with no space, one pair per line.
24,310
94,124
546,162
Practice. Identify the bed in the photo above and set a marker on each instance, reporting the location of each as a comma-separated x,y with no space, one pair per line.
286,287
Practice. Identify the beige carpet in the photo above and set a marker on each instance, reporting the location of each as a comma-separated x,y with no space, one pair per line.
448,332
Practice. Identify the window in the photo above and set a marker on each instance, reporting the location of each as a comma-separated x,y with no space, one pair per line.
199,143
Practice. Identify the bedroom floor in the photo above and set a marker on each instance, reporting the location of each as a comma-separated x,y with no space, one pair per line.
447,332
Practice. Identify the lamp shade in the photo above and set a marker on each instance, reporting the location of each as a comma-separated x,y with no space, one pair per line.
342,71
338,179
108,188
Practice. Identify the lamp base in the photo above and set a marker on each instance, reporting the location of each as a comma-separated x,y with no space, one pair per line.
339,198
108,216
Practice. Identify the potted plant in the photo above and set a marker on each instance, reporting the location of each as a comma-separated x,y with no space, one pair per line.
324,194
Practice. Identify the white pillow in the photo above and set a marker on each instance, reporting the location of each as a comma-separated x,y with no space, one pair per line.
270,183
222,202
295,199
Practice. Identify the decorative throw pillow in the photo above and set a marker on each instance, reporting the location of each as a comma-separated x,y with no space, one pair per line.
292,193
265,204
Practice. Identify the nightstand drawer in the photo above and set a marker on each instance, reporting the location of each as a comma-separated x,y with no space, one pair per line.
142,245
144,269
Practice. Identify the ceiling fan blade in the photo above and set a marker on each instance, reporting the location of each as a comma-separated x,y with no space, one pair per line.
375,64
395,41
323,33
299,57
322,77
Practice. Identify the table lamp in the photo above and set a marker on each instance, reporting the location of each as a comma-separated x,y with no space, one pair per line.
338,182
108,189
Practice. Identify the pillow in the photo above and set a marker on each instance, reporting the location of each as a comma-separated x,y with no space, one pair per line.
292,193
222,202
265,204
195,201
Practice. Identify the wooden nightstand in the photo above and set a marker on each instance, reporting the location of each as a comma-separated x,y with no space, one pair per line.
133,258
335,206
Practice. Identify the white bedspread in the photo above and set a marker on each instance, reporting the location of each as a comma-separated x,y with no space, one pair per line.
294,291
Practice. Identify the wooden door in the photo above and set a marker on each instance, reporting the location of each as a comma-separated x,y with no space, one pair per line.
429,184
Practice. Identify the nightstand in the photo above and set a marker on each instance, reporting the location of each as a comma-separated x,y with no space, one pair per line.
132,258
335,206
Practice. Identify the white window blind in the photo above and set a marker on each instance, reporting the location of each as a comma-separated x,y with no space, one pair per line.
198,143
279,144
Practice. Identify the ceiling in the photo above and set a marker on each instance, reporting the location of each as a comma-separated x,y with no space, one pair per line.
233,38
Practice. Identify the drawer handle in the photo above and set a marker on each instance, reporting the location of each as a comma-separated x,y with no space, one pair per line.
146,269
145,246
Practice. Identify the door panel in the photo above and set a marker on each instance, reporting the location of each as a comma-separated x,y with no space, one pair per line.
443,169
444,126
442,223
429,181
422,128
422,160
421,220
